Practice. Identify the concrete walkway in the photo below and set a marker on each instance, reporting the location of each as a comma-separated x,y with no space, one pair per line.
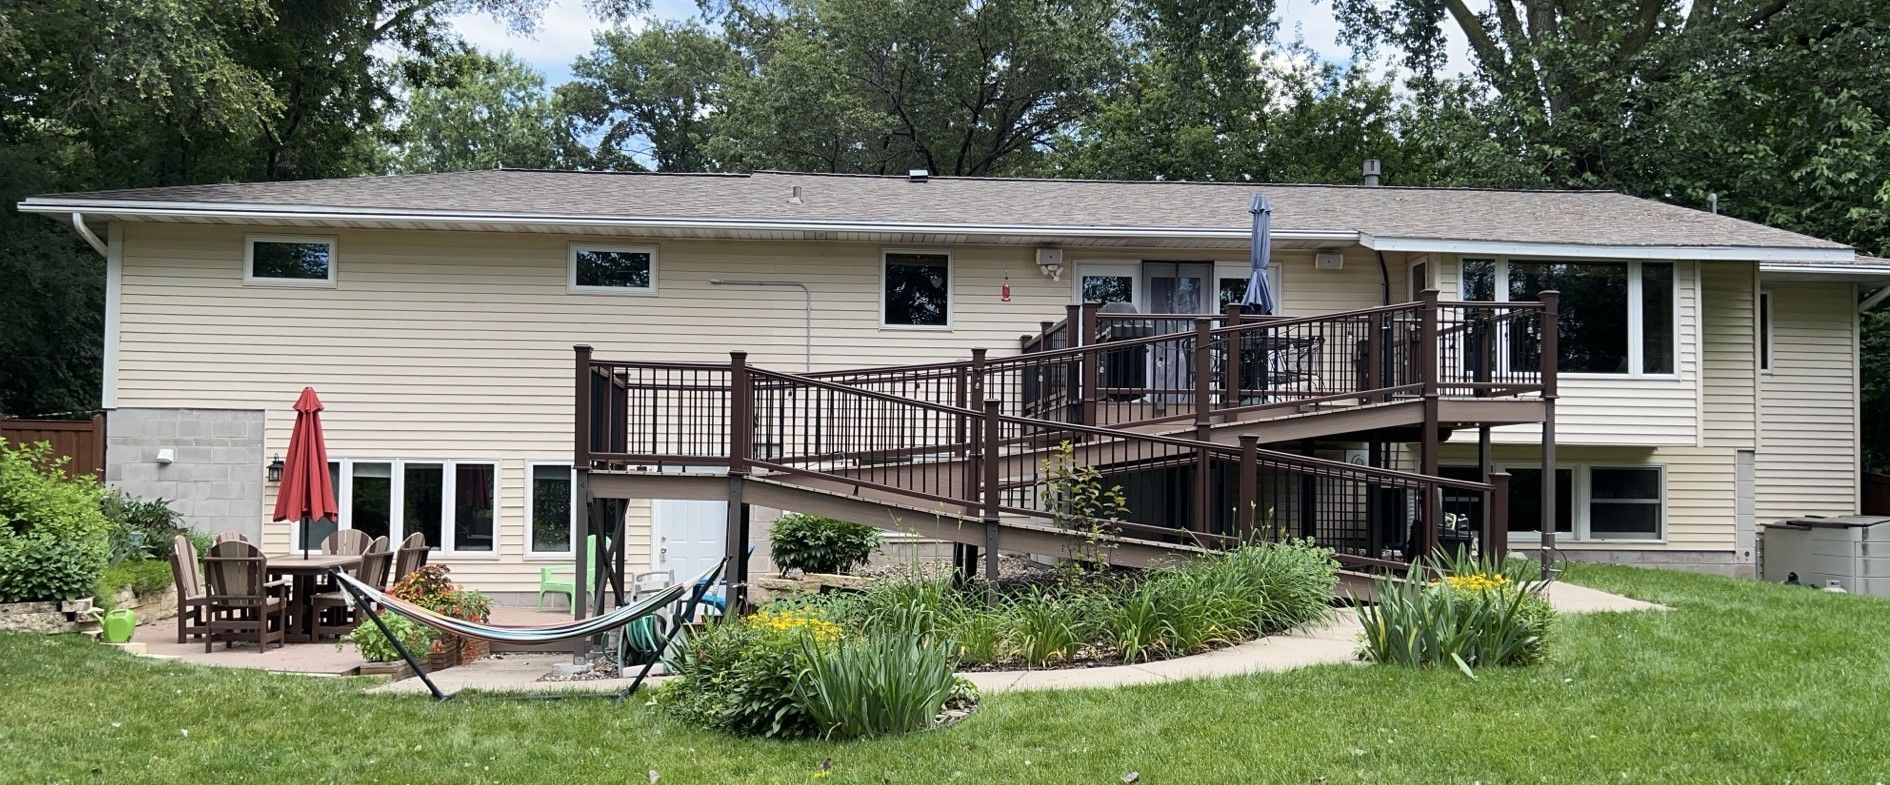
1333,642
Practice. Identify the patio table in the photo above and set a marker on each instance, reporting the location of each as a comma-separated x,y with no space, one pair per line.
302,594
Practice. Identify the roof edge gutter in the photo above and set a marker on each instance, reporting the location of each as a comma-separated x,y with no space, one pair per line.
236,212
1834,256
78,223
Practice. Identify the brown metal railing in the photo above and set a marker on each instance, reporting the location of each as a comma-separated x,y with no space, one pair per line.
1135,369
839,429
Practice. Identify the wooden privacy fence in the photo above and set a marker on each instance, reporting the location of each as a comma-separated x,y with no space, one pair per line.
1876,494
81,441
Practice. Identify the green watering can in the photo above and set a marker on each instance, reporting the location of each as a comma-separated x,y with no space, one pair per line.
117,624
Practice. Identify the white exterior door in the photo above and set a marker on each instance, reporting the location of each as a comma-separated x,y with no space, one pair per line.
690,536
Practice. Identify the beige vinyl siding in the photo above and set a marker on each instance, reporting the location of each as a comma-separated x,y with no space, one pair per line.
1729,391
1607,409
1807,457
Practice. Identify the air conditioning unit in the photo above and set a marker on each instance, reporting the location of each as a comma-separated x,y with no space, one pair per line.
1329,260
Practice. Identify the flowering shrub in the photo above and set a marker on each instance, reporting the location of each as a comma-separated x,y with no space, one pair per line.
54,541
738,676
1479,616
1478,581
432,587
796,620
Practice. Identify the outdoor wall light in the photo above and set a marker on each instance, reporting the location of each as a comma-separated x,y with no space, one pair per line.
275,469
1050,262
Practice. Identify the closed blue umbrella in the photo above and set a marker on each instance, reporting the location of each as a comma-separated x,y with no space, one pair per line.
1259,299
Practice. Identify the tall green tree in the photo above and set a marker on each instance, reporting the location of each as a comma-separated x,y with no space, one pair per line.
652,97
889,85
1195,101
476,111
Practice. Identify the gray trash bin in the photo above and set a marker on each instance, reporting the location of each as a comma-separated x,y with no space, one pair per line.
1853,550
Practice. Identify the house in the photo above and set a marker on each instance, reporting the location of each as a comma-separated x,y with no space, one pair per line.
1705,378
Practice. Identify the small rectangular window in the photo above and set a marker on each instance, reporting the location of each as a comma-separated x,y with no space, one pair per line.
916,290
551,519
611,269
1765,331
473,506
1624,503
296,261
1525,500
1233,291
1108,288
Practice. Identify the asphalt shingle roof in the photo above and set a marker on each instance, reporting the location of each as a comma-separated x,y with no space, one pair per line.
1577,217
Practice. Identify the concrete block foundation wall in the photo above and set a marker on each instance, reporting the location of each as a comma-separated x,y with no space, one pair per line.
215,478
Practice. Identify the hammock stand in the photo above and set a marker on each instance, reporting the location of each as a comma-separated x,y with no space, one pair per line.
366,597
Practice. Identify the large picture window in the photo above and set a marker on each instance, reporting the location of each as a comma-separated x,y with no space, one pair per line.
1592,502
1613,318
916,290
395,498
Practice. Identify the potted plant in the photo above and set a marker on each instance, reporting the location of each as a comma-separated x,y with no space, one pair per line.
432,587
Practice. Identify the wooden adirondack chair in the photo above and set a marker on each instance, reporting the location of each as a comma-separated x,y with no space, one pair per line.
188,575
332,613
346,542
411,556
241,603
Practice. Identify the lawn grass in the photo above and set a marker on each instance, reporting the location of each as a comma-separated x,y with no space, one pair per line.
1742,682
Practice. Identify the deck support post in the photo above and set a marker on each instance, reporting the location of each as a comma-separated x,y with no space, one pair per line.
1551,359
1248,479
581,484
736,546
1084,332
1308,495
1486,469
1496,547
991,493
1203,424
741,443
1428,512
1375,503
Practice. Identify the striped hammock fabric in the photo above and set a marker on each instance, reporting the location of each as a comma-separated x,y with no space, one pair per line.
552,633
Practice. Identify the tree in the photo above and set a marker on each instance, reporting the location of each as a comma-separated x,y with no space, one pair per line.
1195,101
476,112
653,96
883,86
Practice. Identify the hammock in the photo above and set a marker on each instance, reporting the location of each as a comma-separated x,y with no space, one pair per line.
499,633
366,597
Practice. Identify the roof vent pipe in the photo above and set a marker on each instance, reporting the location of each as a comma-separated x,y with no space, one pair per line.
1370,170
918,175
795,196
1712,202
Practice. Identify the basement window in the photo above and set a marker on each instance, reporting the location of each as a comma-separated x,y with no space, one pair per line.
1593,502
289,260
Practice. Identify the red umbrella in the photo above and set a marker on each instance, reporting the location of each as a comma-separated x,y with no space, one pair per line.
306,491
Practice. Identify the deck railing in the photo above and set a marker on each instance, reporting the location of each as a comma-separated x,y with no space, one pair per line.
1094,368
991,464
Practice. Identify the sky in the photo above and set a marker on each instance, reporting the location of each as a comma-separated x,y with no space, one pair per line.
564,33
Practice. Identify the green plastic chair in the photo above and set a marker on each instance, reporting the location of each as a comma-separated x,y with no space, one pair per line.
553,580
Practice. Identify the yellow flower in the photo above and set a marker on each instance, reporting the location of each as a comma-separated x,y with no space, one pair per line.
820,629
1477,581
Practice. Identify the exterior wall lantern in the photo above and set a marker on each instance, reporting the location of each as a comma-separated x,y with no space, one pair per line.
275,469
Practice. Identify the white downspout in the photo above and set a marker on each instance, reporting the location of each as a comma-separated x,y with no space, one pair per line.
78,222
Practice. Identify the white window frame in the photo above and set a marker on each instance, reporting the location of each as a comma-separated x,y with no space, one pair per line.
1636,338
1767,327
571,273
1581,488
249,260
1243,270
1413,287
396,523
951,281
531,549
1109,269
